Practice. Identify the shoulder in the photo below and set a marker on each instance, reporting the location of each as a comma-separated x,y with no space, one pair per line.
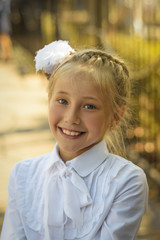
26,180
131,182
120,164
125,172
26,185
29,167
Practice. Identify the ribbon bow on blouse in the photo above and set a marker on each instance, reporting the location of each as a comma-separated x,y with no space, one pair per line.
66,194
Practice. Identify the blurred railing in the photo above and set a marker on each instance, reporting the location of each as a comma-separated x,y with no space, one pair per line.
136,37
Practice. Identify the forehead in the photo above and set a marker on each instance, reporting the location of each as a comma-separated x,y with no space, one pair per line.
75,75
79,82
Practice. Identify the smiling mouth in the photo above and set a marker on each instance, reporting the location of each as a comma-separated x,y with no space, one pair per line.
71,132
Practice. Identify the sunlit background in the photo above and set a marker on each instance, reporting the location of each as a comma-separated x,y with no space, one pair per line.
131,28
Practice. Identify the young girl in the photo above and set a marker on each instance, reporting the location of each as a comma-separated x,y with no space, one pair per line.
80,190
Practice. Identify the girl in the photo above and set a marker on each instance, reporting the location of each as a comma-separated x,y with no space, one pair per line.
80,190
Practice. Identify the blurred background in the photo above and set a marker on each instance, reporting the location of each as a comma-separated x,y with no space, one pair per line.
130,28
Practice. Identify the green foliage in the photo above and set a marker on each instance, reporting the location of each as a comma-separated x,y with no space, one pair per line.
142,55
139,52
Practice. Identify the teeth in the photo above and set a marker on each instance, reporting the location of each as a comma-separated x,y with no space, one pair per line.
70,133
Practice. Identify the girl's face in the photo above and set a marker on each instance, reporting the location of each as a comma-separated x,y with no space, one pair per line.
78,114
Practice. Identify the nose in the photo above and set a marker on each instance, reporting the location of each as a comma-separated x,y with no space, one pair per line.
72,115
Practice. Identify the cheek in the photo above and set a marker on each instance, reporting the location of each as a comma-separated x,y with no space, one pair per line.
96,122
53,115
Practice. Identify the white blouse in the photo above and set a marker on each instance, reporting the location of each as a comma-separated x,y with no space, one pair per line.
95,196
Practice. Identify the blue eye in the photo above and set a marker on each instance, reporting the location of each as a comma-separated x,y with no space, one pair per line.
89,106
62,101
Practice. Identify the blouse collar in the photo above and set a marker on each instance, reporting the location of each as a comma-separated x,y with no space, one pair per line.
85,163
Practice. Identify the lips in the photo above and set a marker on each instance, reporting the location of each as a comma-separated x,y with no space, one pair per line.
71,133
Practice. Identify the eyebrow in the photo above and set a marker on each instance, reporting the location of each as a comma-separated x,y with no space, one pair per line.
86,97
63,92
91,98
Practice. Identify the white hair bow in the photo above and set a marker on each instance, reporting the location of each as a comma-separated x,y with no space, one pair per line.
51,55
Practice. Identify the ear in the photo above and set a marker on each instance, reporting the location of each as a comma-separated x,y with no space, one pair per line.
117,117
122,111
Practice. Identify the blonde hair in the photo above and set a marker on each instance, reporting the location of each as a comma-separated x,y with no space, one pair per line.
112,77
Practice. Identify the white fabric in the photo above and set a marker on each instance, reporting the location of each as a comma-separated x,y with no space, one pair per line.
96,196
51,55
